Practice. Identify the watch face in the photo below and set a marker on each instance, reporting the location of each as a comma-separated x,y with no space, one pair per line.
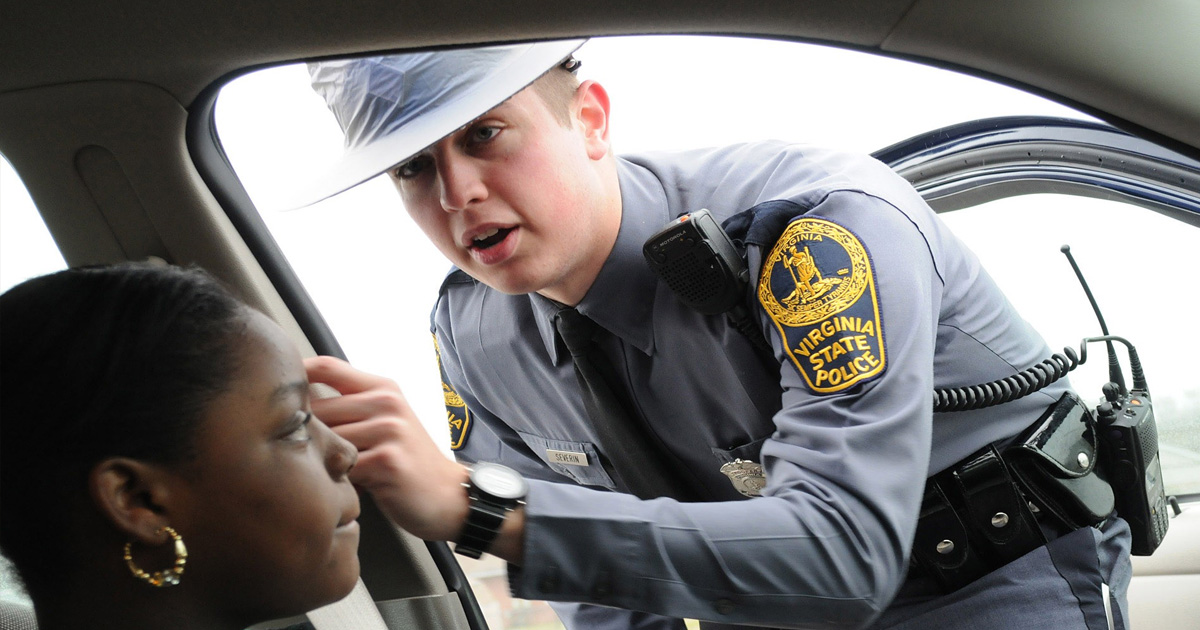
499,481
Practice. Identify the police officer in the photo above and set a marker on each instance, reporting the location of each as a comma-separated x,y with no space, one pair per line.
779,489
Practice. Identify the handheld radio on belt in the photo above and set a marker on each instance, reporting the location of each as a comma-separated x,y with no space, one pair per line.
705,270
1129,442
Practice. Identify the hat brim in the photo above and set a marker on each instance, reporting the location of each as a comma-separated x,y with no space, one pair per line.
364,163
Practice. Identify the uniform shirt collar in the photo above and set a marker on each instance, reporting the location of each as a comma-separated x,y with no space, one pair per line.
621,300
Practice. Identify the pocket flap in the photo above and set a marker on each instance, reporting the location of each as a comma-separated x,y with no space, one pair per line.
578,461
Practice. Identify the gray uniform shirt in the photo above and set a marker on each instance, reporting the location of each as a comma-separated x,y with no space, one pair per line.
828,542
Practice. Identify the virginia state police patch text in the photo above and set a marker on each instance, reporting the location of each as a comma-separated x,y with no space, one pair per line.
818,287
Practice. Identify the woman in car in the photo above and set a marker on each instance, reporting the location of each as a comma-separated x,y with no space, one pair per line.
159,462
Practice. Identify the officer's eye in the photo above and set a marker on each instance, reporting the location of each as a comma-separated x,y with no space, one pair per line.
411,168
484,133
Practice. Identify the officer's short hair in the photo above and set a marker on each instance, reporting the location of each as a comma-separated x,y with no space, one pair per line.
557,90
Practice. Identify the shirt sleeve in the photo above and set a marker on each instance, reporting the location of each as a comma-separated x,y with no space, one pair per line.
827,543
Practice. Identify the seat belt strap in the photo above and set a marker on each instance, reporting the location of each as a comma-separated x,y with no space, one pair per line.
356,611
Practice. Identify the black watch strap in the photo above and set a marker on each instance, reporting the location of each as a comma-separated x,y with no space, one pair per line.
479,532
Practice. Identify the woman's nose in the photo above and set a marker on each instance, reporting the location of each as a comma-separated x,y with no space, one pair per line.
340,454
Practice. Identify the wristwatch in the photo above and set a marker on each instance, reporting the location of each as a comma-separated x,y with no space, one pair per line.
494,491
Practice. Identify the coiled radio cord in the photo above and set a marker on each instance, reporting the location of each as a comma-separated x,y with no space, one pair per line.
1026,381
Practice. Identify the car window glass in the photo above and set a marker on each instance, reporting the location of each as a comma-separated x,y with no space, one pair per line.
375,277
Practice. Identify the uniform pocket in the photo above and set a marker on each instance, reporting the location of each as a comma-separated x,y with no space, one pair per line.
577,461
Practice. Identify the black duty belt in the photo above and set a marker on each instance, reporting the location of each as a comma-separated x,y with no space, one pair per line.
983,512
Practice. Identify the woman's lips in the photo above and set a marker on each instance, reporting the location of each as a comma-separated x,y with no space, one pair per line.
350,516
349,521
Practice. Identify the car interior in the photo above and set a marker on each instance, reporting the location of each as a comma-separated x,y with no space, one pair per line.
108,118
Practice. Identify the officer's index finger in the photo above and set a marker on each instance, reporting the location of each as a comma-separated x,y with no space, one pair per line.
342,376
357,407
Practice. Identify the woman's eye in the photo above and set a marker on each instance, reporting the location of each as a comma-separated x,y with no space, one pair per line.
411,168
298,430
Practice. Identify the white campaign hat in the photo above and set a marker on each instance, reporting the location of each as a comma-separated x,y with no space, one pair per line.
391,107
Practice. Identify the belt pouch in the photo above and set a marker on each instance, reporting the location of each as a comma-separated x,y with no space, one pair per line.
994,509
1054,462
941,547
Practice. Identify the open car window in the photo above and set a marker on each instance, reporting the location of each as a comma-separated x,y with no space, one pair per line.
374,277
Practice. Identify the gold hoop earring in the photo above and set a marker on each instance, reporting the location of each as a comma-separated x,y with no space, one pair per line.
166,577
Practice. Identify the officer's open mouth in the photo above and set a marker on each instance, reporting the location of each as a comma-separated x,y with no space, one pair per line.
489,238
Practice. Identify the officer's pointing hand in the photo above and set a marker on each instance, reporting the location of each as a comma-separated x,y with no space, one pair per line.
398,463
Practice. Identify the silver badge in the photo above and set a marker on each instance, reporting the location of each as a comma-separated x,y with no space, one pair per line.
747,477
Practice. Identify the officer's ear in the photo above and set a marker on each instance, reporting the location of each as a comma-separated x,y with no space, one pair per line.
590,109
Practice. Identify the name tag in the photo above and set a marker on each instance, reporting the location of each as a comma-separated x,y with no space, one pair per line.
570,458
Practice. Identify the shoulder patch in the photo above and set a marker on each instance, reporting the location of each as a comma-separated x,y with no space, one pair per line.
818,286
458,417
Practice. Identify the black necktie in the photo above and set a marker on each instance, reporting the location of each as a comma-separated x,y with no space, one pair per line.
630,454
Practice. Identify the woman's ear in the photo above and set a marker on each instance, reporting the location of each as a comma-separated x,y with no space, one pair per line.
591,110
133,495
